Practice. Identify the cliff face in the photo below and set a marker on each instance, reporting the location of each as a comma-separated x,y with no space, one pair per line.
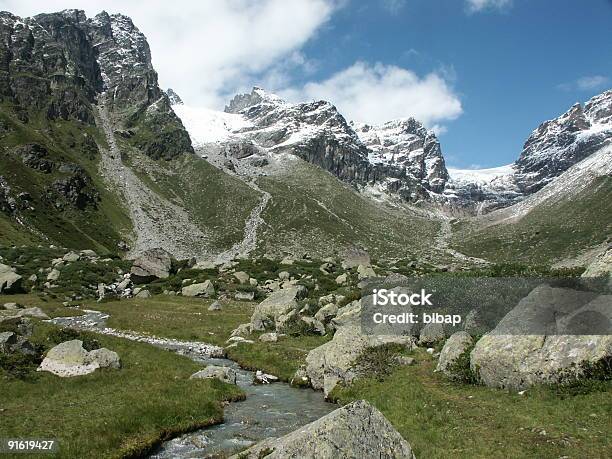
60,63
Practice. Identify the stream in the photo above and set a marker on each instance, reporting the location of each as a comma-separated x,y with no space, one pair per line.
270,410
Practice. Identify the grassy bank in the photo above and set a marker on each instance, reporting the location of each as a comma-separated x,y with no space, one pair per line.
112,413
441,419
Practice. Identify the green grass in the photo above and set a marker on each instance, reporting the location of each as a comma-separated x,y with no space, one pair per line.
113,413
177,317
281,359
442,419
552,231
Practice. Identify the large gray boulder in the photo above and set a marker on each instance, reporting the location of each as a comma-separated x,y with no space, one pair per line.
10,281
204,289
278,304
11,315
431,334
71,359
455,346
225,374
515,356
337,361
151,264
357,430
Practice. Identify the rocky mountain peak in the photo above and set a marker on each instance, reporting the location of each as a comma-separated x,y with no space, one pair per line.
257,96
173,97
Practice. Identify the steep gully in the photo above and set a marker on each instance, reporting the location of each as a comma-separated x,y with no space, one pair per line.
269,410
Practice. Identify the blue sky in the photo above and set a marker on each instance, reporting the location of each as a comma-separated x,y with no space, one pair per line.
482,73
511,67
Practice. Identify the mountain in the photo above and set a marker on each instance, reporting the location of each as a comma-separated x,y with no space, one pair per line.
94,154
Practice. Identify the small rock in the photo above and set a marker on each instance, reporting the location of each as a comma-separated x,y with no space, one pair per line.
242,277
216,306
225,374
264,378
143,294
244,296
271,337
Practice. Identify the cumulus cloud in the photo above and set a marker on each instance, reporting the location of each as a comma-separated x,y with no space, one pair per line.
475,6
206,49
586,83
378,93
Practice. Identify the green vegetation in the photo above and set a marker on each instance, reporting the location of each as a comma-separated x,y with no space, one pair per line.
281,359
554,230
112,413
313,212
443,419
177,317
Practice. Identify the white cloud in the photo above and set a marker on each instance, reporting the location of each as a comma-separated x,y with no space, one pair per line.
207,49
592,82
378,93
475,6
393,6
585,83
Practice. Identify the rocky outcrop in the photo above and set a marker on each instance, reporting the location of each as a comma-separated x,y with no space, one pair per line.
456,346
601,266
272,310
553,336
357,430
71,359
10,281
58,63
151,264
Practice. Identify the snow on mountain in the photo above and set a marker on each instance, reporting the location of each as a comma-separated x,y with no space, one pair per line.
210,126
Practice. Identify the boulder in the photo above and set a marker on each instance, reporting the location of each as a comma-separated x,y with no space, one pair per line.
288,323
71,257
276,305
355,257
287,261
10,281
431,334
89,253
542,340
17,314
326,313
71,359
342,279
216,306
263,378
12,343
357,430
284,275
242,277
203,289
253,282
364,272
53,275
205,265
144,293
244,296
459,343
314,325
150,265
336,361
7,341
12,306
601,266
225,374
241,330
271,337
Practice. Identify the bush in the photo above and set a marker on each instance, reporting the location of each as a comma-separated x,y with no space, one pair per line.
61,335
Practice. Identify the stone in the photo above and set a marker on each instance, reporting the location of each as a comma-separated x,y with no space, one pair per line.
431,334
456,345
150,265
89,253
53,275
105,358
244,296
470,321
10,281
203,289
71,257
326,313
336,361
33,278
534,343
142,294
271,337
242,277
314,325
287,261
253,282
70,359
284,275
364,272
215,306
12,306
342,279
7,341
288,323
277,304
12,314
241,330
225,374
404,360
263,378
601,266
205,265
357,430
355,257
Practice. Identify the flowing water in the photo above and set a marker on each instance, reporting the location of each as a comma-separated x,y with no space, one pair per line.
270,410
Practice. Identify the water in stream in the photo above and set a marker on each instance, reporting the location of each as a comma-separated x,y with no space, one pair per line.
270,410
